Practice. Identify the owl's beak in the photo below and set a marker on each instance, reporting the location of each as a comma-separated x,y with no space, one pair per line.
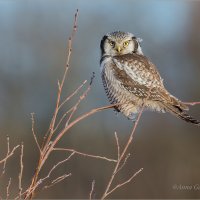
118,49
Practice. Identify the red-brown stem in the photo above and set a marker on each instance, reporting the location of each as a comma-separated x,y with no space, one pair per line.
85,154
105,194
192,103
52,124
45,154
55,141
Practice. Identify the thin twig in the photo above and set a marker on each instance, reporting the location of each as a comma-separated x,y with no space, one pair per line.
33,131
74,108
9,155
57,180
118,146
125,182
77,120
21,170
73,93
124,151
8,189
60,85
28,193
55,166
48,136
81,98
92,190
64,75
124,163
62,118
8,151
85,154
77,104
192,103
105,194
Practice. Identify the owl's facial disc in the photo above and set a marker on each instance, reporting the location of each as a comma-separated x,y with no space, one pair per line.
120,43
119,47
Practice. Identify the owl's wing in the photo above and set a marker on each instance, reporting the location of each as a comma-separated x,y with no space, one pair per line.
139,76
139,69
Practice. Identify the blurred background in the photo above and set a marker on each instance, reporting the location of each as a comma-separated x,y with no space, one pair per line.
33,37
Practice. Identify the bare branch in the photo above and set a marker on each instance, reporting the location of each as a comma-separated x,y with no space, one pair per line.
105,194
118,147
60,135
57,180
85,154
8,151
125,182
73,93
33,131
55,166
192,103
8,189
74,108
62,118
117,167
92,190
9,155
21,170
59,88
29,192
45,147
124,162
82,97
69,51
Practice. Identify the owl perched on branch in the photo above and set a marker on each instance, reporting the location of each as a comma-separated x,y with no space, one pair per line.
132,81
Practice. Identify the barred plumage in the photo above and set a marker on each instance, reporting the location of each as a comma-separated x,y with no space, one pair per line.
131,80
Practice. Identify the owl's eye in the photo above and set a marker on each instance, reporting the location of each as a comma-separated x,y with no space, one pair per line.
125,44
112,44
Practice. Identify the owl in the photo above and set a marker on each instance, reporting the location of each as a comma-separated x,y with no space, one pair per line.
132,81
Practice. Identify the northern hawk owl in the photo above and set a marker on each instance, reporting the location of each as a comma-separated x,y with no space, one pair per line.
132,81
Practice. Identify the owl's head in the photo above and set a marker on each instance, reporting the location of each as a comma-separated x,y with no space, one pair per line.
120,43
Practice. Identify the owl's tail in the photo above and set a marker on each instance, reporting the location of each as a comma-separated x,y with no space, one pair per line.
178,109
